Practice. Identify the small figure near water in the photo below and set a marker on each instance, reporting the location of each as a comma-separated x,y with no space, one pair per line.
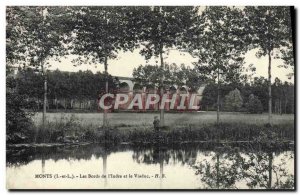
156,123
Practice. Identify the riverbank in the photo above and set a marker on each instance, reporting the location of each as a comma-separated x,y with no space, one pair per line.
74,133
171,119
64,128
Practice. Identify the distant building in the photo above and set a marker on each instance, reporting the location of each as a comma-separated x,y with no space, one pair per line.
130,87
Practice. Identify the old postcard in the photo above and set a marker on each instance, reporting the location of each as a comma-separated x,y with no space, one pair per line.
150,97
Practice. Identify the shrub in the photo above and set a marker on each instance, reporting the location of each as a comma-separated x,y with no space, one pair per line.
254,105
233,101
19,126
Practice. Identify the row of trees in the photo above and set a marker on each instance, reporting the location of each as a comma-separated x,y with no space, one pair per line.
217,36
227,33
250,97
84,86
79,86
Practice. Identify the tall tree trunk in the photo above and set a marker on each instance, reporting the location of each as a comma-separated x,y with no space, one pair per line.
280,107
56,104
162,117
45,83
285,103
65,104
218,98
106,91
38,104
45,103
270,90
218,171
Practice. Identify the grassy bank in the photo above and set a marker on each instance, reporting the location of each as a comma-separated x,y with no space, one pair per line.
138,128
171,119
72,130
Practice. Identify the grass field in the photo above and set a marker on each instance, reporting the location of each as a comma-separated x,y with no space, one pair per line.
138,127
171,119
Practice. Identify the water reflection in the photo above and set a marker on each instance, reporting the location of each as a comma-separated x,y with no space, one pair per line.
221,170
231,168
204,166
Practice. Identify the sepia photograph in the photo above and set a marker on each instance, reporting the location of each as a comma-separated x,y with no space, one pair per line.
150,98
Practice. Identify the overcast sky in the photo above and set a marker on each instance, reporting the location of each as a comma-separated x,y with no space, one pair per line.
126,62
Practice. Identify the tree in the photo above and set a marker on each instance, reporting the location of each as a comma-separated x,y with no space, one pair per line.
19,126
66,86
233,101
162,28
254,105
249,72
56,85
210,96
42,34
218,44
28,83
148,75
100,32
191,77
287,53
15,47
260,89
269,30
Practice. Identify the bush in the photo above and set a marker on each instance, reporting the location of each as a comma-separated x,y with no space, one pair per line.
254,105
233,101
19,126
63,130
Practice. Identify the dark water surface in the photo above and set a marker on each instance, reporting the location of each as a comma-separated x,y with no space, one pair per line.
183,166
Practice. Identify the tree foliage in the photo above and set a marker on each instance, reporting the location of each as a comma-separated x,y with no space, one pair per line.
283,94
254,105
218,42
163,27
233,101
19,126
82,85
149,75
269,27
36,34
100,33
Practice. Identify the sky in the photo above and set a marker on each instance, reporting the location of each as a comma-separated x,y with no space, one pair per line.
124,64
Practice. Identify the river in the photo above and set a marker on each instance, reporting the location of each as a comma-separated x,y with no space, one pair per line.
179,166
